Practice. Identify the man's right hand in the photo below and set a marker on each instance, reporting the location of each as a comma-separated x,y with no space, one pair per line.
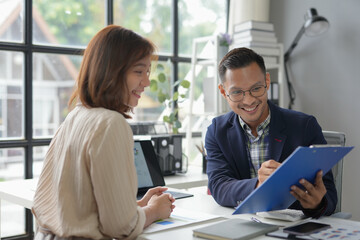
265,170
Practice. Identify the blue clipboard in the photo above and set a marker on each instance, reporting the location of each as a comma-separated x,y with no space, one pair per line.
304,162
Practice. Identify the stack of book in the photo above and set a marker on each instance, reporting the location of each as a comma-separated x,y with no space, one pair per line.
260,37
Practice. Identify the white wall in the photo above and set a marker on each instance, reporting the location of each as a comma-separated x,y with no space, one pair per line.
326,76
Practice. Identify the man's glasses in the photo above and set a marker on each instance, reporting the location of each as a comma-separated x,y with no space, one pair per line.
238,95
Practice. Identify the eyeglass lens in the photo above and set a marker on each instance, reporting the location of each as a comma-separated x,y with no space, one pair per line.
239,94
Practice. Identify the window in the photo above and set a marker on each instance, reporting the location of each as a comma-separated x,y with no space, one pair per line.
41,42
149,18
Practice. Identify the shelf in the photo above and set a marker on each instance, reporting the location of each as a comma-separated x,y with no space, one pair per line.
206,62
193,178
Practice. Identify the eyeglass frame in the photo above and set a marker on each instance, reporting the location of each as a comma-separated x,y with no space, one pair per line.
243,92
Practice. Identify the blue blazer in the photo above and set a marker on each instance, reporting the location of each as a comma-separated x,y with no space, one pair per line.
228,166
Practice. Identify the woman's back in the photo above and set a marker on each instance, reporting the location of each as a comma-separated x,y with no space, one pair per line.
77,181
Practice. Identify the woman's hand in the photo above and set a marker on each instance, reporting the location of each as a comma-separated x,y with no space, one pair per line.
158,207
151,192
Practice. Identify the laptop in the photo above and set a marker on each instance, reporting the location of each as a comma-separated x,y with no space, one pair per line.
148,169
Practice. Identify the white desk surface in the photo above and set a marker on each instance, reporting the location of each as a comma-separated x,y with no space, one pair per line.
201,202
193,178
21,192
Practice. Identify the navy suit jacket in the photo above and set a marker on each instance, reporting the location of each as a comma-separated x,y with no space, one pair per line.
228,166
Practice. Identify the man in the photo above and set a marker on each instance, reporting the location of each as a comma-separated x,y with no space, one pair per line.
245,146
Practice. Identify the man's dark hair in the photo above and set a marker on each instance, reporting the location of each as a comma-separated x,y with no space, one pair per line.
239,58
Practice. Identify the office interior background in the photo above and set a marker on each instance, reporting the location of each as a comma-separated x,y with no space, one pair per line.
40,53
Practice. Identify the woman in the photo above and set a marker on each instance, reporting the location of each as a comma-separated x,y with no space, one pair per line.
88,185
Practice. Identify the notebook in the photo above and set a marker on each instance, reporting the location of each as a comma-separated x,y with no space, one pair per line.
290,215
234,229
148,169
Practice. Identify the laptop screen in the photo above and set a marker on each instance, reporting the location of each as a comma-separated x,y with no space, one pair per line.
148,169
147,166
143,174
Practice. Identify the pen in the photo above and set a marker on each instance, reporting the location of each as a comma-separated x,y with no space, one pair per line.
201,149
255,220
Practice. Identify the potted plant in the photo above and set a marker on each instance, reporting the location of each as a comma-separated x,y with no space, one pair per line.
225,41
168,95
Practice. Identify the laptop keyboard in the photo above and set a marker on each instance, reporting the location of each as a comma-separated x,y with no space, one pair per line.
178,195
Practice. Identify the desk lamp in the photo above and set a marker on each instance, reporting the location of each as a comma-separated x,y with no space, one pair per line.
314,25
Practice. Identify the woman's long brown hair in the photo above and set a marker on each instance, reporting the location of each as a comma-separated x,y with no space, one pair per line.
107,58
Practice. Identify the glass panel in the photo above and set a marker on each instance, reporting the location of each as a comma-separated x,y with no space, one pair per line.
203,107
149,18
11,163
11,168
204,100
149,107
184,73
11,20
67,22
11,95
38,159
53,81
195,157
199,18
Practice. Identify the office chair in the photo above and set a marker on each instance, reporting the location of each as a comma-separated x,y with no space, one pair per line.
337,138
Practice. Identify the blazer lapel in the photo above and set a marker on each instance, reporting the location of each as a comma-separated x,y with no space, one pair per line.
276,136
237,137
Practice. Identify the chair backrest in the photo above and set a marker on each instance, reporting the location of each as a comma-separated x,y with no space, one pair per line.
337,138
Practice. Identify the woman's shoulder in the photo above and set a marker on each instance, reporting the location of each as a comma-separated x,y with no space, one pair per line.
100,114
95,119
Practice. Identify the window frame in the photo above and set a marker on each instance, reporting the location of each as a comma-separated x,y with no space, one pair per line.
28,49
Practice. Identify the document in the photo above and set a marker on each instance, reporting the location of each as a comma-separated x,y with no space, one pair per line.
179,217
341,229
304,162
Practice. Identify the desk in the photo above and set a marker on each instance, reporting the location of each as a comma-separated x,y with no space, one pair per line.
193,178
201,202
21,192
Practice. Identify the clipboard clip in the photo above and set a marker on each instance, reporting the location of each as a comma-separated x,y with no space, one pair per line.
324,145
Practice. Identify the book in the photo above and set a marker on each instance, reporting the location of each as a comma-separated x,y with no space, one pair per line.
273,92
251,24
256,44
269,51
304,162
270,60
253,32
234,229
254,38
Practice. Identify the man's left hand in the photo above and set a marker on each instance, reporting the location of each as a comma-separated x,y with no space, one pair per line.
311,196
